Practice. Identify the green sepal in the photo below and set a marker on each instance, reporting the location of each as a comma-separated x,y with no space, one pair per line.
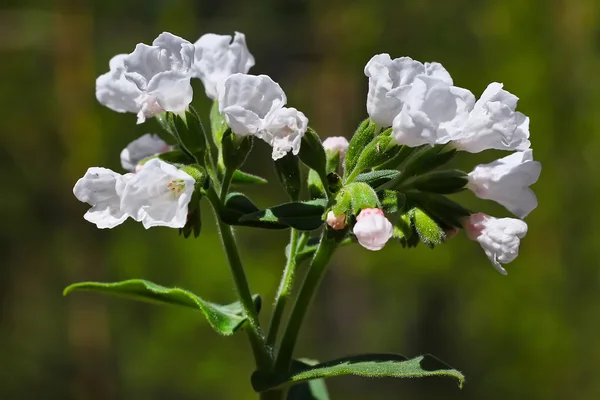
235,149
218,126
380,150
361,196
189,132
391,201
442,182
236,206
445,211
428,230
315,185
244,178
333,161
304,216
288,172
315,389
312,154
361,138
403,153
225,319
368,365
404,230
194,218
425,159
377,178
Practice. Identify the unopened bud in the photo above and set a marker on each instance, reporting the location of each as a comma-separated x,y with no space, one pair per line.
337,222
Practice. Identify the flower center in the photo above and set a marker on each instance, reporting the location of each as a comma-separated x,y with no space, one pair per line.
176,187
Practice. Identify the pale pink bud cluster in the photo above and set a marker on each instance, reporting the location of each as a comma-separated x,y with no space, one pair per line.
336,144
337,222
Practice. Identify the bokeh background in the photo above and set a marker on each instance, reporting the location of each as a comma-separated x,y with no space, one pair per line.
534,334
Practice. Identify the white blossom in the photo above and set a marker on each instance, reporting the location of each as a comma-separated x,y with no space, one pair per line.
494,124
431,111
372,229
150,80
336,222
218,57
499,237
336,144
254,105
158,195
507,181
389,80
102,189
142,147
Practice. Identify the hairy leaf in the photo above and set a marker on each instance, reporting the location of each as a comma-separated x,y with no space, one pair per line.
225,319
304,216
244,178
368,365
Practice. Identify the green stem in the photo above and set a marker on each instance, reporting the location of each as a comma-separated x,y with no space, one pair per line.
226,183
285,289
316,271
253,329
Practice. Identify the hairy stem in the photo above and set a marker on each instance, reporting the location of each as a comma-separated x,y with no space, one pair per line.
262,355
317,269
285,289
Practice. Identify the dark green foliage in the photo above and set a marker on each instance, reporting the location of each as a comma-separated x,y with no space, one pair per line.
315,389
443,182
288,172
378,177
235,149
312,153
224,319
361,138
237,206
244,178
304,216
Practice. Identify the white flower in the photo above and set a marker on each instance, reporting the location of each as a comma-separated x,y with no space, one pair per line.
499,237
218,57
507,180
431,111
254,105
494,124
142,147
372,229
284,130
336,222
151,80
336,144
102,189
158,195
390,79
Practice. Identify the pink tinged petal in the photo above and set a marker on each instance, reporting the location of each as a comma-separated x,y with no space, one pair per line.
336,222
102,188
507,180
372,229
284,130
336,144
158,195
143,147
245,101
499,237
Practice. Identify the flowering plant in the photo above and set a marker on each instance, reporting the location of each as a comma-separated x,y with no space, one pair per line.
388,183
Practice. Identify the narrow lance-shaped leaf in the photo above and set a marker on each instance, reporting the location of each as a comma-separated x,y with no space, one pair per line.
244,178
361,138
304,216
288,172
236,206
225,319
312,390
368,365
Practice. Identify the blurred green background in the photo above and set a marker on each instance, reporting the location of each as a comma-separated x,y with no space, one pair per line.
534,334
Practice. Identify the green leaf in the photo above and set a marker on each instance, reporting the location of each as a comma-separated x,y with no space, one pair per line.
225,319
235,149
189,132
173,157
403,153
315,185
361,138
426,158
236,206
378,177
312,153
391,201
304,216
244,178
368,365
429,232
288,172
311,390
443,182
218,126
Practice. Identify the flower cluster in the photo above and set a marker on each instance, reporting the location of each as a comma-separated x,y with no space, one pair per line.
390,187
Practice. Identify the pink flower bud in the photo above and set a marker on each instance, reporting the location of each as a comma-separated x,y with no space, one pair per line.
373,229
337,222
336,144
